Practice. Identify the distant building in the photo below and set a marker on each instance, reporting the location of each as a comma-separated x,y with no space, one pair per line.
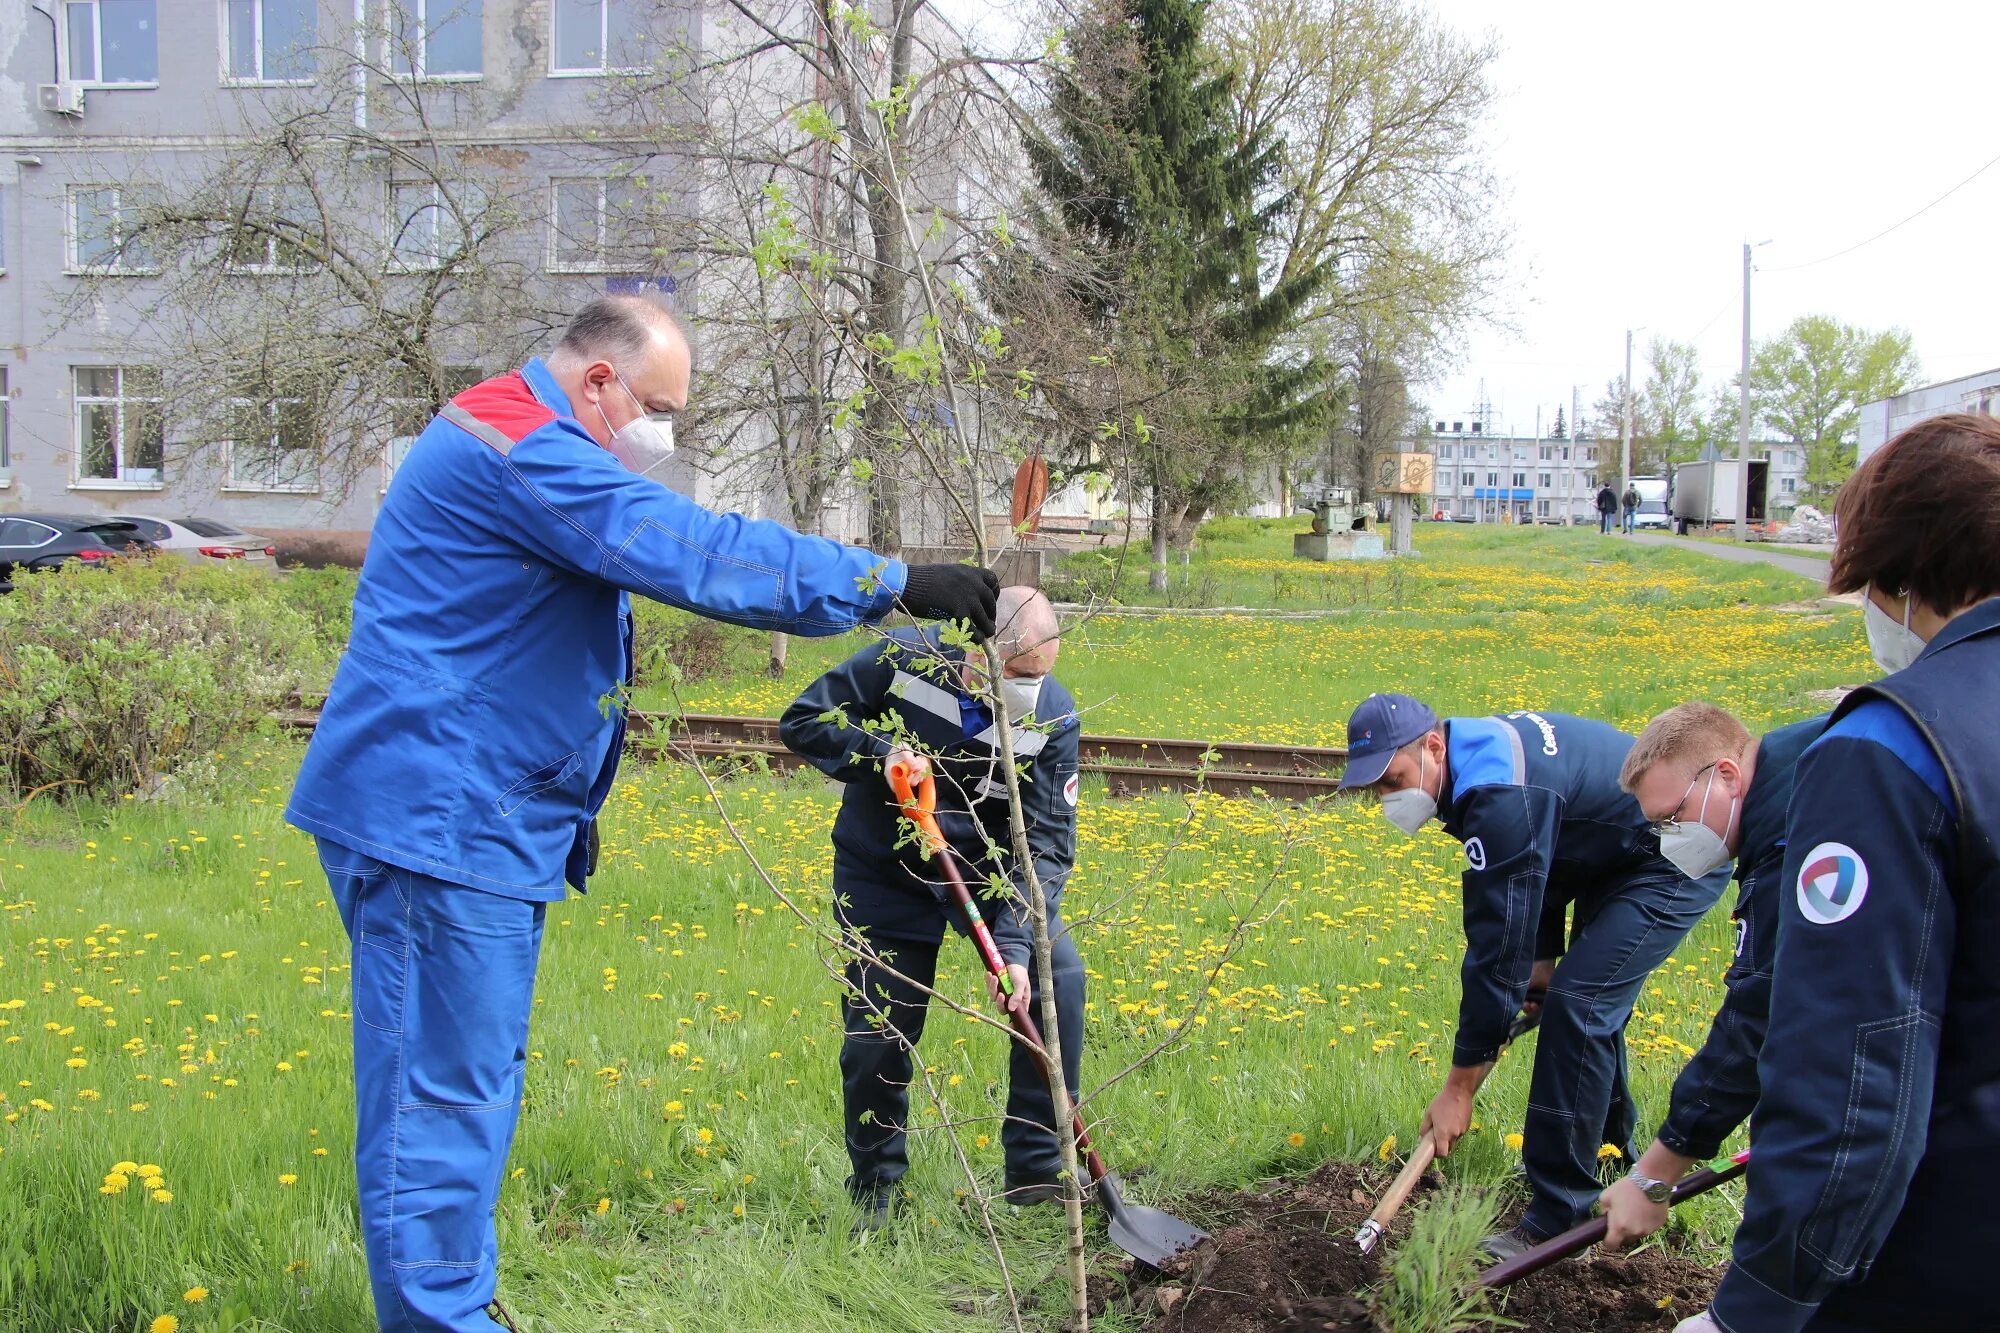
1529,478
1883,421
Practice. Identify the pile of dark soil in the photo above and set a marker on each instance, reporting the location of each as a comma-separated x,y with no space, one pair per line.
1283,1260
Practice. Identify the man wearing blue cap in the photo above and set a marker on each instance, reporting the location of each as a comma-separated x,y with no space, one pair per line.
1534,797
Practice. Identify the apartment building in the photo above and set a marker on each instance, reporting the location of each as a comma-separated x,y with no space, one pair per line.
439,171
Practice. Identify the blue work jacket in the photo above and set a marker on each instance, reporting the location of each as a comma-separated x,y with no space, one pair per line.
473,727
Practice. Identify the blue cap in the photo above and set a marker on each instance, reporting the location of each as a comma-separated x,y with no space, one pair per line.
1380,726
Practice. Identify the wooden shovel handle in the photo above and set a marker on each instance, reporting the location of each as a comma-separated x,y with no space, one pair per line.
1406,1181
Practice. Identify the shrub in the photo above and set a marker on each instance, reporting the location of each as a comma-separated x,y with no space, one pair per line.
666,641
110,678
1433,1281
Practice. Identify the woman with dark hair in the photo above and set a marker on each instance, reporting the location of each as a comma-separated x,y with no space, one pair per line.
1877,1138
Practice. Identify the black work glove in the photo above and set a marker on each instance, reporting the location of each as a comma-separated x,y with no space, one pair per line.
954,592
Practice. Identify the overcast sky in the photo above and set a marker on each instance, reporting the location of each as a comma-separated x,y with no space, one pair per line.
1639,147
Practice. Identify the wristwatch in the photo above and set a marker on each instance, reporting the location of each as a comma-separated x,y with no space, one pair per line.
1659,1191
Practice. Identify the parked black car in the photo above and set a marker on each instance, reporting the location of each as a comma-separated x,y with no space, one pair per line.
44,541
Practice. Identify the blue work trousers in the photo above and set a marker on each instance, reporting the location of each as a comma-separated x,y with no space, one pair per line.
443,977
1578,1099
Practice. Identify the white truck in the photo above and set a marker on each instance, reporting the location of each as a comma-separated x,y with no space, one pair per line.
1652,512
1710,495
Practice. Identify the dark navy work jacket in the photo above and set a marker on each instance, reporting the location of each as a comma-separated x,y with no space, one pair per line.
1535,799
908,688
1876,1141
1717,1090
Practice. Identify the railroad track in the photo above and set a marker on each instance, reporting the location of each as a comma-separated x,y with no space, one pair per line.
1129,765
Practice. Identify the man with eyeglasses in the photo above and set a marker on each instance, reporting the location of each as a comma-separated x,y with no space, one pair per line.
1534,798
1713,792
472,733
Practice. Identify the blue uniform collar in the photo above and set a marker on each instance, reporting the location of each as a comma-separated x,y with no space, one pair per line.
1980,619
542,383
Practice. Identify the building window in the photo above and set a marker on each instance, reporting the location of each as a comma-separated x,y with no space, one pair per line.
102,227
273,445
1465,479
1791,458
269,41
1493,479
1520,480
120,426
1492,453
275,233
1544,483
584,215
112,43
1542,508
1788,485
598,36
1548,453
1444,451
424,231
436,39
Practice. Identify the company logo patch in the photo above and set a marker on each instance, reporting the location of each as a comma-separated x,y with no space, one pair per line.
1475,853
1069,790
1833,883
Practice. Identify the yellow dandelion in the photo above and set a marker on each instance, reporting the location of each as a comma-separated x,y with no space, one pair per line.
603,1207
163,1196
288,1179
165,1323
1388,1146
1297,1140
1609,1150
195,1295
1513,1141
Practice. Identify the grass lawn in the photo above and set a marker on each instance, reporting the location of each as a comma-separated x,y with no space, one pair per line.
173,985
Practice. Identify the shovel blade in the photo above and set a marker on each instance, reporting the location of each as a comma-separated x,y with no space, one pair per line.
1147,1234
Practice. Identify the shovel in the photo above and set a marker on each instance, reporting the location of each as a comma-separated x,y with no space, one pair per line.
1371,1232
1147,1234
1583,1237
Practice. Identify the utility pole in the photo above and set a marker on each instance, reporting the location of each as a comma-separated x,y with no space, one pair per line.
1743,415
1625,433
1569,463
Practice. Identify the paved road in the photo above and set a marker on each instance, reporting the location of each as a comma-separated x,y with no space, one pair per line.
1805,565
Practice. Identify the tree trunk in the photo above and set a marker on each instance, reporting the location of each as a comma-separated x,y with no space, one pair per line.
1156,579
780,646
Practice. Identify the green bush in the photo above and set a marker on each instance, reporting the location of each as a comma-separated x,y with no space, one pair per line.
326,596
109,679
671,642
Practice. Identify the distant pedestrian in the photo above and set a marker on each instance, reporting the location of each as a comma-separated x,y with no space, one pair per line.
1631,501
1607,505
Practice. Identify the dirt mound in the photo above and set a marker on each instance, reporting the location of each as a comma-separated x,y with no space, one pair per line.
1283,1260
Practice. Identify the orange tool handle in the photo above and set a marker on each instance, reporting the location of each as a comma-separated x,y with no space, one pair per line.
919,802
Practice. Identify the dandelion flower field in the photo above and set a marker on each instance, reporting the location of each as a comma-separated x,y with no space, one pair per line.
175,1123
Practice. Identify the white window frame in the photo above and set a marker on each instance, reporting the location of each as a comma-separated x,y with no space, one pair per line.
392,458
269,196
418,71
602,264
270,408
98,82
1547,480
75,267
438,200
120,481
258,55
1466,479
603,70
6,453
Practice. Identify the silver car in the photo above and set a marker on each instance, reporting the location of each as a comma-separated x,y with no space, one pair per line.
202,539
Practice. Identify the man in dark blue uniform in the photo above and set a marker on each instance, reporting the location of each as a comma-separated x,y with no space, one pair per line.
1713,792
913,697
1877,1138
1535,799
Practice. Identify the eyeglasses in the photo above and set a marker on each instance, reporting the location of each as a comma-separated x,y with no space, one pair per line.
1673,821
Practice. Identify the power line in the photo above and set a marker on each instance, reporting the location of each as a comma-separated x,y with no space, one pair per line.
1838,254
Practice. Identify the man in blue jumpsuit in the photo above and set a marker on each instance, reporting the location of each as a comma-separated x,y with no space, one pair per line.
1534,797
1714,792
472,732
914,698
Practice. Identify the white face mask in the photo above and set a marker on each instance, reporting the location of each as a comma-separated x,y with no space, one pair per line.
1412,807
1694,848
1023,693
642,443
1893,646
